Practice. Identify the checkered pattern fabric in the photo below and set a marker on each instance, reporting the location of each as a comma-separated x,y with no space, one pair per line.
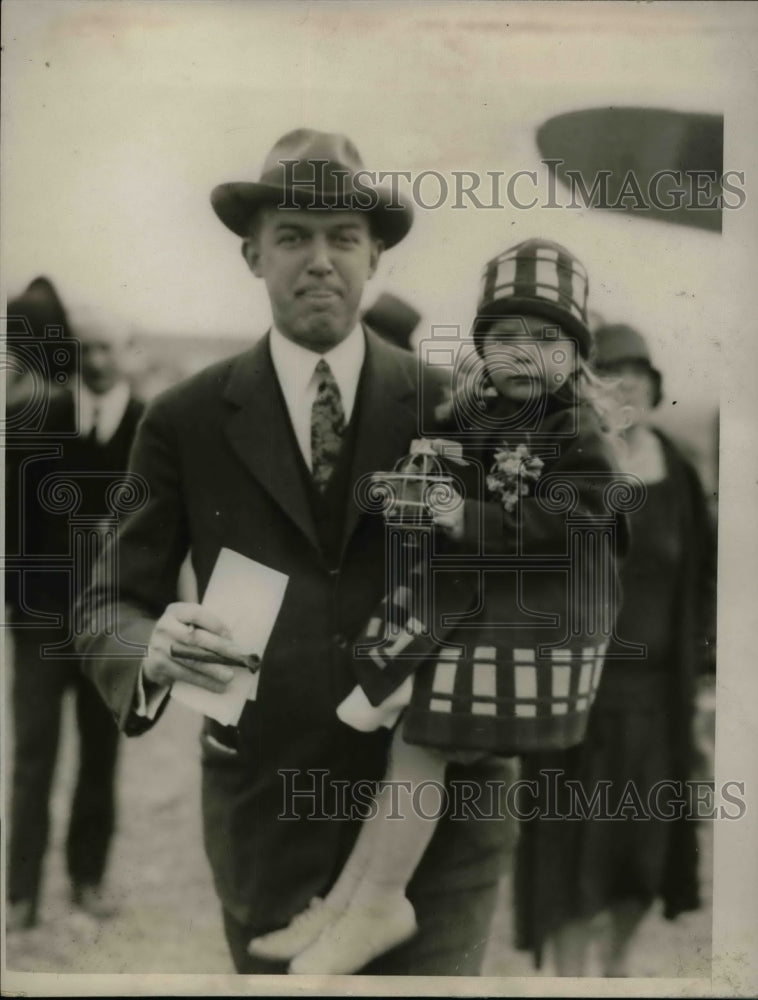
499,690
327,426
542,278
505,699
395,640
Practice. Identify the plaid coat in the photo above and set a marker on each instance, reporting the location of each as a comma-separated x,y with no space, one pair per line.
521,608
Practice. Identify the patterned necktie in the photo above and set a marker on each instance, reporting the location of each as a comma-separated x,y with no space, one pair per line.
327,426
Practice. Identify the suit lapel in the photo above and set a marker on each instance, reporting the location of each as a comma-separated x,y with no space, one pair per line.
258,430
387,420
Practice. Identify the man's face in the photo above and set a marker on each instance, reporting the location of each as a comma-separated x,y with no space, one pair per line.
315,264
101,358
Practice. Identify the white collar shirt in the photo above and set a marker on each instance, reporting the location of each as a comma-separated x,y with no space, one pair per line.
295,368
106,411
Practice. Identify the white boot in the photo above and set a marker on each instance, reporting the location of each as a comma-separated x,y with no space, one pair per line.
356,937
301,931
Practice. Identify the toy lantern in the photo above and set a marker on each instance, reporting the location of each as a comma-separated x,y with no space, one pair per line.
415,484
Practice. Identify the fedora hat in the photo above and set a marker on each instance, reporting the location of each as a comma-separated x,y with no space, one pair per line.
393,318
319,170
40,306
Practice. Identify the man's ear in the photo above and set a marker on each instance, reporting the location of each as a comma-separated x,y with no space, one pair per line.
252,255
377,248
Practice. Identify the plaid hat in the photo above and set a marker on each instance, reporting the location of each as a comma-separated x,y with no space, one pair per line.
540,278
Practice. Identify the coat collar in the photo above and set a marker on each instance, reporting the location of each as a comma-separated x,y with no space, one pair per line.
258,427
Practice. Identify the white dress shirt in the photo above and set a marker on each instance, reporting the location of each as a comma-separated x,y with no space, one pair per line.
295,368
109,408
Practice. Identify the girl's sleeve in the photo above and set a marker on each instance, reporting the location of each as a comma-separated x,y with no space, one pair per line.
394,641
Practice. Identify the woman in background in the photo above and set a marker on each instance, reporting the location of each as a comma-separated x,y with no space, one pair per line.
641,726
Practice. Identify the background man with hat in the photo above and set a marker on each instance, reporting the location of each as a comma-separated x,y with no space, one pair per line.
393,318
30,315
260,454
79,432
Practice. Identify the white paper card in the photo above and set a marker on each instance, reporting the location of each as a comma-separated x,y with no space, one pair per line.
246,596
226,708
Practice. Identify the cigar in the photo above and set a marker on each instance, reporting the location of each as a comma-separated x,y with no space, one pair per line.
199,655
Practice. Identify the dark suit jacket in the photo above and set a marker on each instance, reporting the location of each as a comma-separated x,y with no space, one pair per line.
223,467
39,576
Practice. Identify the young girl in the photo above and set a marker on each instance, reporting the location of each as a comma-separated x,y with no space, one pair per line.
483,687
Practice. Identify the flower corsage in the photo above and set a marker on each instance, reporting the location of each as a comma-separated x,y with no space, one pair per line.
512,474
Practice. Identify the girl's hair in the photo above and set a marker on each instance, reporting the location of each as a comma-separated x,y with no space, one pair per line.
597,391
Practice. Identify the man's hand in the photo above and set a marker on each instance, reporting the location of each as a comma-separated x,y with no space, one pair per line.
189,643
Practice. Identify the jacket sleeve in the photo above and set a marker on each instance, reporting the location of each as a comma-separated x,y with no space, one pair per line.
576,481
137,577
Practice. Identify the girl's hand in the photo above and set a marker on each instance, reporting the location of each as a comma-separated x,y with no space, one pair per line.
448,516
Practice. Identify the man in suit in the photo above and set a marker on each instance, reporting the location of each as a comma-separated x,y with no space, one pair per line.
261,454
78,449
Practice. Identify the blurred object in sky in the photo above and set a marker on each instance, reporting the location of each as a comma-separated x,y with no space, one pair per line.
648,162
393,318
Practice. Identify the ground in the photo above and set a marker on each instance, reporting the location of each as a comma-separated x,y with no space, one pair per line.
169,919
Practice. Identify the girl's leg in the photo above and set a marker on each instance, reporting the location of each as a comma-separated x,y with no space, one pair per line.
389,845
392,841
408,808
305,927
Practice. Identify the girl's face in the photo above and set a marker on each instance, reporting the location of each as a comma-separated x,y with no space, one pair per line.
528,356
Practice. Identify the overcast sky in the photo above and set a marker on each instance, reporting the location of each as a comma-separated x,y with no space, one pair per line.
119,118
